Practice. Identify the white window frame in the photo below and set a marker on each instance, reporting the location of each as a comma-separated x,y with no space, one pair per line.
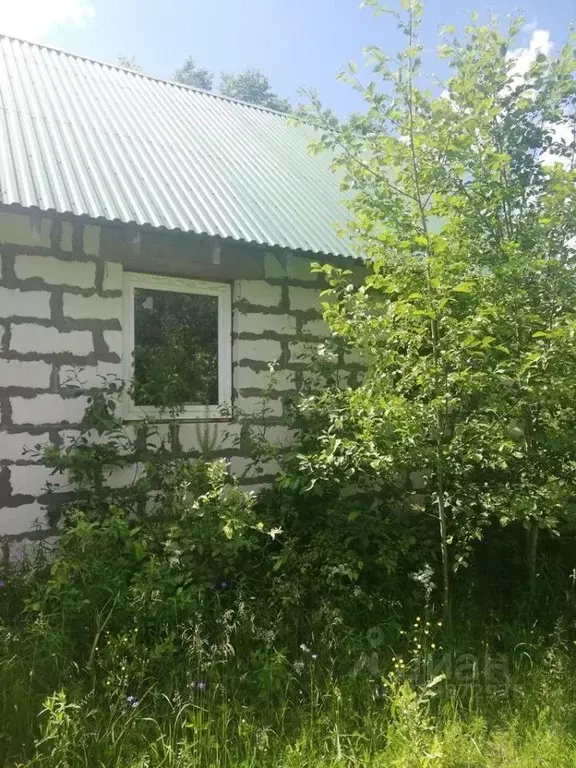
223,291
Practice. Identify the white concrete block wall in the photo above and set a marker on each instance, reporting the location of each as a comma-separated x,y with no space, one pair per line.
57,300
61,338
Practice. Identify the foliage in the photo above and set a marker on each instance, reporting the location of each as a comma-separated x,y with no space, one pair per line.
103,447
190,74
150,575
253,86
129,62
250,85
462,202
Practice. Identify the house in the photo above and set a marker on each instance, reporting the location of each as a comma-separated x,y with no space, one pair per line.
124,198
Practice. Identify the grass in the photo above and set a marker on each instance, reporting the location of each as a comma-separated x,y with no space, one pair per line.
519,711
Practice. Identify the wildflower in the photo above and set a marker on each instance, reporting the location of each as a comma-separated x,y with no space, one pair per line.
223,584
304,648
2,583
314,656
298,667
198,685
132,701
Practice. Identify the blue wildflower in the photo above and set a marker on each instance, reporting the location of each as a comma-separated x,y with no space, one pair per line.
2,583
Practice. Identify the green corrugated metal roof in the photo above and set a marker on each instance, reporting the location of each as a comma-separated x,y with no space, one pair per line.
86,138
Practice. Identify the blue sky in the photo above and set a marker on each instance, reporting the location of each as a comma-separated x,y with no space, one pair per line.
297,43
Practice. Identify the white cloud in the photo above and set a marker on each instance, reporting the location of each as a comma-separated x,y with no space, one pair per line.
35,19
523,57
529,27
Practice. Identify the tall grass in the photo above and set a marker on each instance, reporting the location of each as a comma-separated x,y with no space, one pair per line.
403,706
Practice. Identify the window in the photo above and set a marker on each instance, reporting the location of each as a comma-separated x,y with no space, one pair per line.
177,347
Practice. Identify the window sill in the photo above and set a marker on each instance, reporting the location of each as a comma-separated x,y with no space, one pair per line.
191,414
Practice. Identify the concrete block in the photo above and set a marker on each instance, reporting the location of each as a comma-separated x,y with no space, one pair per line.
273,267
277,381
263,324
258,293
303,351
279,435
261,350
25,550
112,276
67,236
92,307
19,373
242,467
113,340
16,303
76,274
91,240
48,409
124,477
32,480
207,437
90,376
298,268
258,407
23,519
304,299
159,436
27,337
317,328
23,229
16,446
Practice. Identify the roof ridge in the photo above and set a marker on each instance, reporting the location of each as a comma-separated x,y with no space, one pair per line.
145,76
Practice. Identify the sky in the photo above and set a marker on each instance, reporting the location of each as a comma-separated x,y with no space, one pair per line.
297,43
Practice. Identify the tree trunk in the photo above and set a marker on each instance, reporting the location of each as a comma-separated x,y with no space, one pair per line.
446,590
531,553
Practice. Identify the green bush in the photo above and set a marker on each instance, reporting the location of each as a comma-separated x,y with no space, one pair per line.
150,577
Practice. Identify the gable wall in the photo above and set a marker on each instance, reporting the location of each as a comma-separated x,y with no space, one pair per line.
61,314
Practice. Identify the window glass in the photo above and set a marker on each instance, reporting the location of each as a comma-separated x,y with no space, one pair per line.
175,348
